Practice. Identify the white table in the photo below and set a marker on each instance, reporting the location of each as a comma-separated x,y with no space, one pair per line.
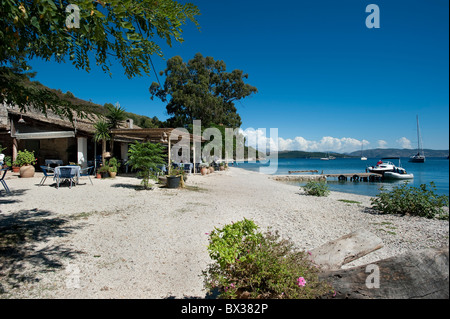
74,173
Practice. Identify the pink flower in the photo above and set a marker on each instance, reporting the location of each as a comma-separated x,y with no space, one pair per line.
309,253
301,282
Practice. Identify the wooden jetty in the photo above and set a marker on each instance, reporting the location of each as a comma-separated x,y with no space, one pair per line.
354,177
296,172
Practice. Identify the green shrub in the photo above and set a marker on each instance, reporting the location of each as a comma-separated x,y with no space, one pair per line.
113,165
316,188
25,158
416,201
146,157
250,264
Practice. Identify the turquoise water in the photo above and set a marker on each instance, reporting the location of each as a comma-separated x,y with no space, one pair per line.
434,170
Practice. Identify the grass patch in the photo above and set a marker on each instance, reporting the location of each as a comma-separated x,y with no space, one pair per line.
387,231
195,189
349,201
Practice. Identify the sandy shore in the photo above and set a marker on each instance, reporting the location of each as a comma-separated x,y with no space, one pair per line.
113,240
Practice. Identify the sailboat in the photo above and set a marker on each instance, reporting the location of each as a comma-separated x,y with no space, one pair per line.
363,158
328,158
420,156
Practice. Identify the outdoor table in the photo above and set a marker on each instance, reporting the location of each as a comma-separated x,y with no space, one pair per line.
74,173
49,162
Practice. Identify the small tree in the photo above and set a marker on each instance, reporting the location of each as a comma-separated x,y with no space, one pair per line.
102,134
115,115
145,157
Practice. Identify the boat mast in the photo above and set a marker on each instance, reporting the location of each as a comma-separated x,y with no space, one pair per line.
419,139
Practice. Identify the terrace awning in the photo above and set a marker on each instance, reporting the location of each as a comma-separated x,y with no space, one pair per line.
43,135
158,135
161,136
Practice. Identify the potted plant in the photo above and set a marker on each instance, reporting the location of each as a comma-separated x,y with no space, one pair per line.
204,168
222,166
113,165
7,161
25,160
175,179
103,171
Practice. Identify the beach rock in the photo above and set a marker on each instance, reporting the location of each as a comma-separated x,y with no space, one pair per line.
348,248
415,275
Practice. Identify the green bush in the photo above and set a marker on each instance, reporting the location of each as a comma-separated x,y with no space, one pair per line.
416,201
145,158
316,188
113,165
250,264
25,158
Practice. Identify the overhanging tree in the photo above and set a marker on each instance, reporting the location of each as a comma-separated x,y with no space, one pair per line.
202,90
107,29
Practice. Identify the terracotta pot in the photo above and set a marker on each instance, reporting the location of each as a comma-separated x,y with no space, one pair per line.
211,170
26,171
112,174
204,171
16,169
99,176
222,168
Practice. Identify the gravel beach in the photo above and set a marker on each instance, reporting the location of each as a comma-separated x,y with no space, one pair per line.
114,240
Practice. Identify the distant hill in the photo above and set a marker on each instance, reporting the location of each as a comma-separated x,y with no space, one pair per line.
393,152
375,153
301,154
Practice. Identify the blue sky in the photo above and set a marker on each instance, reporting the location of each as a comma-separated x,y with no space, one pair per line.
325,80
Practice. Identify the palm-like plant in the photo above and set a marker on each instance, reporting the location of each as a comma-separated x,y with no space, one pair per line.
102,134
115,115
146,157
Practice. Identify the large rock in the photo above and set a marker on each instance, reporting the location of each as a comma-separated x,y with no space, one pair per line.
416,275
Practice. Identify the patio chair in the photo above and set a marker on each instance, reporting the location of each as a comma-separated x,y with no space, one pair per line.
87,172
188,168
2,179
46,171
65,173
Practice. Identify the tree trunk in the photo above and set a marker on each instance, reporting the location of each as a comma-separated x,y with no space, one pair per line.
334,254
415,275
103,152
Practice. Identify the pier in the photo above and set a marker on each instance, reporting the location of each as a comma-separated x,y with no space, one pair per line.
356,177
353,177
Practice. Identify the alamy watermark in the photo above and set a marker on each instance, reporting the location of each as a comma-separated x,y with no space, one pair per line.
73,19
373,20
73,276
373,280
228,148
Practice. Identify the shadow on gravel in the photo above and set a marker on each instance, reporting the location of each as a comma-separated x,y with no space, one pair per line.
24,254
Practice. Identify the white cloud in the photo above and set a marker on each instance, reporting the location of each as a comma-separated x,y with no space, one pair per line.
404,142
261,139
382,143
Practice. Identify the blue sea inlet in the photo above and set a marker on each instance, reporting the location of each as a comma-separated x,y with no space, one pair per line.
433,170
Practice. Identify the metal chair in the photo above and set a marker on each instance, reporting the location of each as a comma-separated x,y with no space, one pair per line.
2,179
87,172
45,170
65,173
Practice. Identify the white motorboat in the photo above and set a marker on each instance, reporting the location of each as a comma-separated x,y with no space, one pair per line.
382,167
399,173
363,158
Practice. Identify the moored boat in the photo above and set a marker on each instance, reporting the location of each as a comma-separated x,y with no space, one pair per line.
420,156
382,167
398,173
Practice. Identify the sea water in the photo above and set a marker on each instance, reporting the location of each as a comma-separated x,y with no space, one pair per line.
433,170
